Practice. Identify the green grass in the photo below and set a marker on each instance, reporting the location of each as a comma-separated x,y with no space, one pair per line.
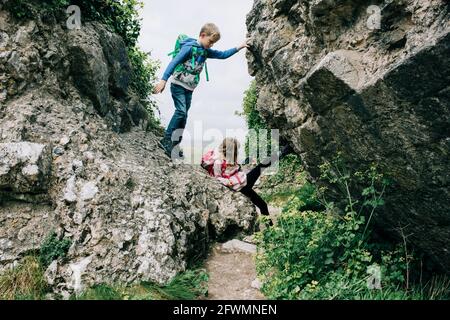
25,282
189,285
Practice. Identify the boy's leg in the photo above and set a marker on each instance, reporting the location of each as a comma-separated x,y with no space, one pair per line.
188,100
179,117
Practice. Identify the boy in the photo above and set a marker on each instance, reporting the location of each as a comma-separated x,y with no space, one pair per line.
191,58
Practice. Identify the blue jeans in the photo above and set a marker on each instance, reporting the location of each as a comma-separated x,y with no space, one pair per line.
182,99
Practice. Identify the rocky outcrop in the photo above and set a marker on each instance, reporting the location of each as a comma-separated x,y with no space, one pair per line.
24,167
332,80
75,160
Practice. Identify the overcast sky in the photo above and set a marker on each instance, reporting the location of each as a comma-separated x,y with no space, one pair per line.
215,102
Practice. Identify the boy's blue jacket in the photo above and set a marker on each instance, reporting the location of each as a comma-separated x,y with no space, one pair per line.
185,54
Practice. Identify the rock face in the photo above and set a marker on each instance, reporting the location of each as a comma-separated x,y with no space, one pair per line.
74,159
336,76
24,167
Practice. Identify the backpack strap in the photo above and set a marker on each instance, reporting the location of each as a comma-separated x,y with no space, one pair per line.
194,56
206,71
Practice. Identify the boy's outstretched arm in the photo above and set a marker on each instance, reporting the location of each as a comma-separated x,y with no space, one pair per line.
215,54
181,57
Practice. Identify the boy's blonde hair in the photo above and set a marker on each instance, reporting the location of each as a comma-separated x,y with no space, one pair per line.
210,29
229,150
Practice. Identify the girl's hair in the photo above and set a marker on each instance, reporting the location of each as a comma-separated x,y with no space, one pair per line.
229,150
210,29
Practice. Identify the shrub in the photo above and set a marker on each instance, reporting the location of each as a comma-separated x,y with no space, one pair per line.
53,248
329,254
143,77
284,184
254,119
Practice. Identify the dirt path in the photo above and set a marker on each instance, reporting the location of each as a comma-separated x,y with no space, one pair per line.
232,271
231,276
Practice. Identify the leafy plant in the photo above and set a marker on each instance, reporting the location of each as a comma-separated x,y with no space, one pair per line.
25,9
143,77
328,253
53,248
254,121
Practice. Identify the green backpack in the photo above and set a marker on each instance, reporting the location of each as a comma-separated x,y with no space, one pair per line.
195,54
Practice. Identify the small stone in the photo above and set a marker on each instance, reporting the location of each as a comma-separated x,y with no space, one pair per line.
58,151
30,170
250,239
64,141
69,192
238,246
88,191
50,273
77,167
256,284
89,156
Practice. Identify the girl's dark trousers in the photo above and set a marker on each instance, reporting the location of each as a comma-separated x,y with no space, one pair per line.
252,176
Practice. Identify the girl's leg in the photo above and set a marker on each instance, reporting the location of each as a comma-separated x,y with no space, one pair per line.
256,199
253,176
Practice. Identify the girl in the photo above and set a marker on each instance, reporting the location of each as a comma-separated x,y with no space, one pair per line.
222,164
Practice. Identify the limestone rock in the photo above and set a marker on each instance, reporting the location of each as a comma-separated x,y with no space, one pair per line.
238,246
24,167
332,82
130,213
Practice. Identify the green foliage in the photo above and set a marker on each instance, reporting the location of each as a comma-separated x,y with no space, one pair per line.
53,248
121,16
373,184
284,185
254,120
99,292
252,116
24,282
26,9
328,254
287,172
143,78
27,282
185,286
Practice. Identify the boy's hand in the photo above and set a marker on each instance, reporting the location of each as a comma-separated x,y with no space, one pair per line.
243,45
160,87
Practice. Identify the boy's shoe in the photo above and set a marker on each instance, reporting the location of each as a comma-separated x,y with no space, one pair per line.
164,144
179,154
